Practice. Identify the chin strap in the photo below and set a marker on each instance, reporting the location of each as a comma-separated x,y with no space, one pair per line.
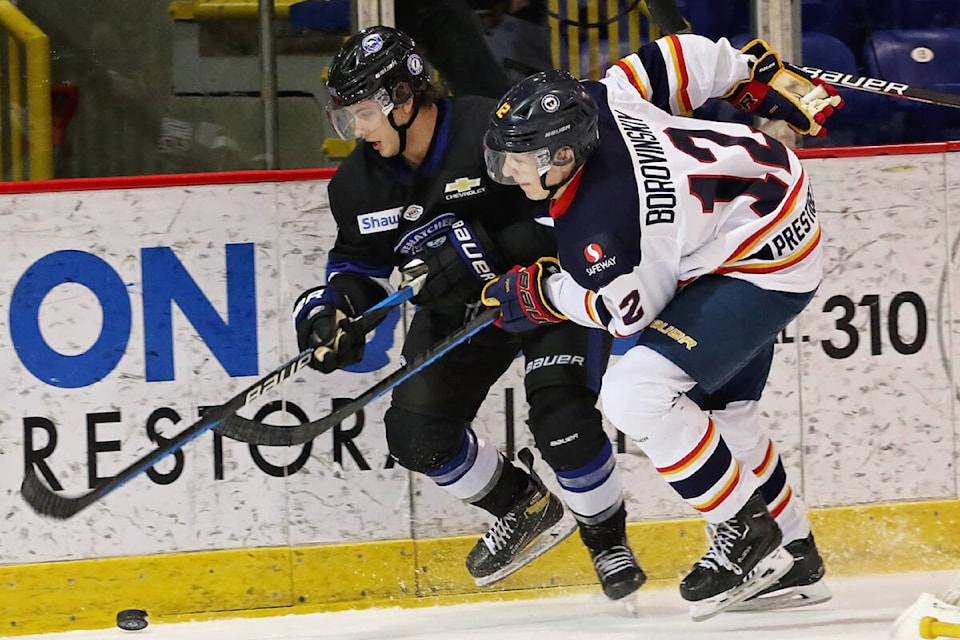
402,129
553,190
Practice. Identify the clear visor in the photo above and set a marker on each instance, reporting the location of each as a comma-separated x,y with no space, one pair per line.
356,120
507,167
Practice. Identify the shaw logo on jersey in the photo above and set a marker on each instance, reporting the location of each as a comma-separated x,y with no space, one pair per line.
377,221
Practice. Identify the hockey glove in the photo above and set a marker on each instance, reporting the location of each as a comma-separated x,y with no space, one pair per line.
458,265
781,91
520,295
322,319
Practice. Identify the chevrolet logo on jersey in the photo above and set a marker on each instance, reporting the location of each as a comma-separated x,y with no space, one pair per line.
462,188
461,185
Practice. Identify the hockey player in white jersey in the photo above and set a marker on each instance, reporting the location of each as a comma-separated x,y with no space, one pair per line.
703,238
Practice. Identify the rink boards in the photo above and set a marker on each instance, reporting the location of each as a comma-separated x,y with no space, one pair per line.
132,305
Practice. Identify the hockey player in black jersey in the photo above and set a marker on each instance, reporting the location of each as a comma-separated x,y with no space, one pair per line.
416,188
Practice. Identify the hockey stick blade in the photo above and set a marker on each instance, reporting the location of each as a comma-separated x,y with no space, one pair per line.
885,87
46,502
253,432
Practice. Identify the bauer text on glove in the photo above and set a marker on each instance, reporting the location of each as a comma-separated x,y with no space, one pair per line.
458,264
521,297
781,91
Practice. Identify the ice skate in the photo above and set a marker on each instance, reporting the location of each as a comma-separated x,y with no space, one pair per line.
801,586
533,526
618,570
745,557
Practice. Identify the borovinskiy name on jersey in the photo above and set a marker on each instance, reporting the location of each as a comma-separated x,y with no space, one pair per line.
661,194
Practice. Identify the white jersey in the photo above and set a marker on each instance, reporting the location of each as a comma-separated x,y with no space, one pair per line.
665,199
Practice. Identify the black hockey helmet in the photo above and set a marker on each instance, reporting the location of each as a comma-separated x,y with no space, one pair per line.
379,63
540,115
377,57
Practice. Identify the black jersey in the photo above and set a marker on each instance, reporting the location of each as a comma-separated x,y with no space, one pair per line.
376,201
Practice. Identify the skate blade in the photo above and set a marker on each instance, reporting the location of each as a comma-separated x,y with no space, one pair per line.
539,546
631,605
788,598
767,571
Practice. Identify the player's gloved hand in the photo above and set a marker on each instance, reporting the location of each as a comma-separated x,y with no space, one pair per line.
521,297
781,91
321,316
458,265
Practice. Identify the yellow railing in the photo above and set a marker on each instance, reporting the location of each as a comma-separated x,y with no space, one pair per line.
571,32
214,9
27,71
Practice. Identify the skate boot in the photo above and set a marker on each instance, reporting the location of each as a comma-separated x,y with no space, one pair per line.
745,557
533,526
617,569
619,573
801,586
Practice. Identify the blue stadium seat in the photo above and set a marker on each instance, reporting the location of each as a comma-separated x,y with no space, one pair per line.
716,19
925,58
925,14
328,16
860,122
864,118
843,20
882,14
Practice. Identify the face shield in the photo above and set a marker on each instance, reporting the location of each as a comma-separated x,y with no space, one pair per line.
355,120
512,168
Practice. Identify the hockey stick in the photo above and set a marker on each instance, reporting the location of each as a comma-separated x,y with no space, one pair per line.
253,432
669,20
667,16
46,502
885,87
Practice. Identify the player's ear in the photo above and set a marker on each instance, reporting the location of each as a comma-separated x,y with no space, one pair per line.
563,156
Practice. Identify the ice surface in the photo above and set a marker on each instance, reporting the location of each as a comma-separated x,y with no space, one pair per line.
863,608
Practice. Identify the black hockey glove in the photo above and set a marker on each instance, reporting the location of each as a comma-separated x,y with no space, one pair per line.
322,319
458,265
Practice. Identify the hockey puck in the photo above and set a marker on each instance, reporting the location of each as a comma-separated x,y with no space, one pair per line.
132,619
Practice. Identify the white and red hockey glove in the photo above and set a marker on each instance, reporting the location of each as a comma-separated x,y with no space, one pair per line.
781,91
519,294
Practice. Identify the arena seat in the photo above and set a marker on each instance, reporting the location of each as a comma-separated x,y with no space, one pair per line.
865,118
843,20
925,58
329,16
716,19
922,14
860,122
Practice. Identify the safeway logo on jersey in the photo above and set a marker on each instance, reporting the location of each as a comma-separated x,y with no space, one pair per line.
598,260
593,252
462,187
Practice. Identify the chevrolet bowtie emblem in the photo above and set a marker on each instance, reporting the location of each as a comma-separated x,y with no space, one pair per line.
461,184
